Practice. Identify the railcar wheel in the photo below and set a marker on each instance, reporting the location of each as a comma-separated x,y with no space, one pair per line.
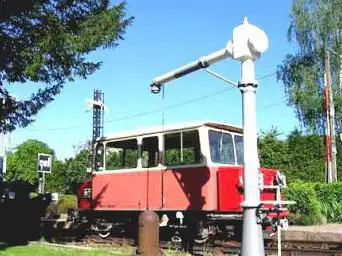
104,234
103,229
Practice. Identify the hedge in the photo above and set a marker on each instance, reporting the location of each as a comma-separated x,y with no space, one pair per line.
316,203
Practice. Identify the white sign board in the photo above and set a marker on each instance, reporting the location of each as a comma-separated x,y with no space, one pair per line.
44,163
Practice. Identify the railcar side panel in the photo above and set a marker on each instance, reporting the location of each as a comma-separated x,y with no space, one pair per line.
153,183
191,188
119,191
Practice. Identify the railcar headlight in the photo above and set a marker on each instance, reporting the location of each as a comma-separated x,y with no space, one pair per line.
87,193
281,179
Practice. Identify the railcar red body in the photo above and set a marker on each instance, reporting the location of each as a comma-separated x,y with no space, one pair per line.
189,169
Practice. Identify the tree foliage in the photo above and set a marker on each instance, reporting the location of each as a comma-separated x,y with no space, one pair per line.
300,156
75,170
315,28
47,41
65,176
22,163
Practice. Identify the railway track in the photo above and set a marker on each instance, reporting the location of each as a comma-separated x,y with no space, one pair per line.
217,247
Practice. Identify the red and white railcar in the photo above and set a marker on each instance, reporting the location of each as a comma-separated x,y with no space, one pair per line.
191,174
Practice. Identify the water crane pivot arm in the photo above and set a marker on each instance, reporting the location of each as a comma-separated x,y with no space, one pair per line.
247,44
203,62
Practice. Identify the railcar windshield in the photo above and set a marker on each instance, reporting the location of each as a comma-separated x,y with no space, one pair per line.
225,148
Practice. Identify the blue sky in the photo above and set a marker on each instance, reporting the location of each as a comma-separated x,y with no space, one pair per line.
165,35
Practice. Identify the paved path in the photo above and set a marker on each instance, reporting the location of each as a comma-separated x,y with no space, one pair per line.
323,233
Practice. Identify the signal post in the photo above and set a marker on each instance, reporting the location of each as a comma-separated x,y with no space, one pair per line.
246,46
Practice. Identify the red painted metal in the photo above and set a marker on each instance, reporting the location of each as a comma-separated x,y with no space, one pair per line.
83,203
230,188
327,136
186,188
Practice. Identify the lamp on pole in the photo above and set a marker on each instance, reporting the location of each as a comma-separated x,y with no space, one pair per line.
246,46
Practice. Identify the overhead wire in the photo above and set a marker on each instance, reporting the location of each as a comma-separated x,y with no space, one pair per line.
158,110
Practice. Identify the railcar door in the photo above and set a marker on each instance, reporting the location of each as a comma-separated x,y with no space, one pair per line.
152,172
186,176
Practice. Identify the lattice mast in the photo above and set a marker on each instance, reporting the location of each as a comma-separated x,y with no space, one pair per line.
98,120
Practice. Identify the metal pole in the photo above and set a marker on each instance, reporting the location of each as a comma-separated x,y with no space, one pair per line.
278,223
252,238
332,123
328,172
43,183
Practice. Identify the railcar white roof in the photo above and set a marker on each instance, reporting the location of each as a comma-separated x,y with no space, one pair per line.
173,127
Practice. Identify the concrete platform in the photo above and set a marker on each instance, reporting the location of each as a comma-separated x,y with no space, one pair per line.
322,233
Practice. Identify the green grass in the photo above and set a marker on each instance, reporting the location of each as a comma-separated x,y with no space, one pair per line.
46,250
41,249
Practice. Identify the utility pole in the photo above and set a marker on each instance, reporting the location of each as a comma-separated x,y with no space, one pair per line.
332,122
330,130
328,164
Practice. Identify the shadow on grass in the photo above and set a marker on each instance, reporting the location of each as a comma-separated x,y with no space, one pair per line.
19,214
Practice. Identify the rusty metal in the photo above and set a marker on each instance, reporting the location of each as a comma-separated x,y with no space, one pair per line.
148,234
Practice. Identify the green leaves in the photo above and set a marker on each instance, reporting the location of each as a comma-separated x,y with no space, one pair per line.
316,203
300,156
22,164
315,28
47,41
65,175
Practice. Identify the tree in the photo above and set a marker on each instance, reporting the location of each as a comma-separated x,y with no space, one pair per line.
306,156
76,170
47,41
316,29
55,181
22,163
273,151
299,156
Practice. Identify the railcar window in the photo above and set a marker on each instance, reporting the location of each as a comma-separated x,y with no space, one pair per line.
121,154
150,152
239,149
182,148
221,147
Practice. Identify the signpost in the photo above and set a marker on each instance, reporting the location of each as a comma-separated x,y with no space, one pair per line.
44,165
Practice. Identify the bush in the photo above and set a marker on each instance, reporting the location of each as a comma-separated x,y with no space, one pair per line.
316,203
66,202
307,209
330,197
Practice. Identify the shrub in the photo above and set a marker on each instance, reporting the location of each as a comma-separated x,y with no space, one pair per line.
316,203
307,209
66,202
330,197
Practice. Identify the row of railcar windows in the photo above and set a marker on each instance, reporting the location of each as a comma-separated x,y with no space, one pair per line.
180,149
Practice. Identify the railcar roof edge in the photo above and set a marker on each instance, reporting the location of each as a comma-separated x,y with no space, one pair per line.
172,127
